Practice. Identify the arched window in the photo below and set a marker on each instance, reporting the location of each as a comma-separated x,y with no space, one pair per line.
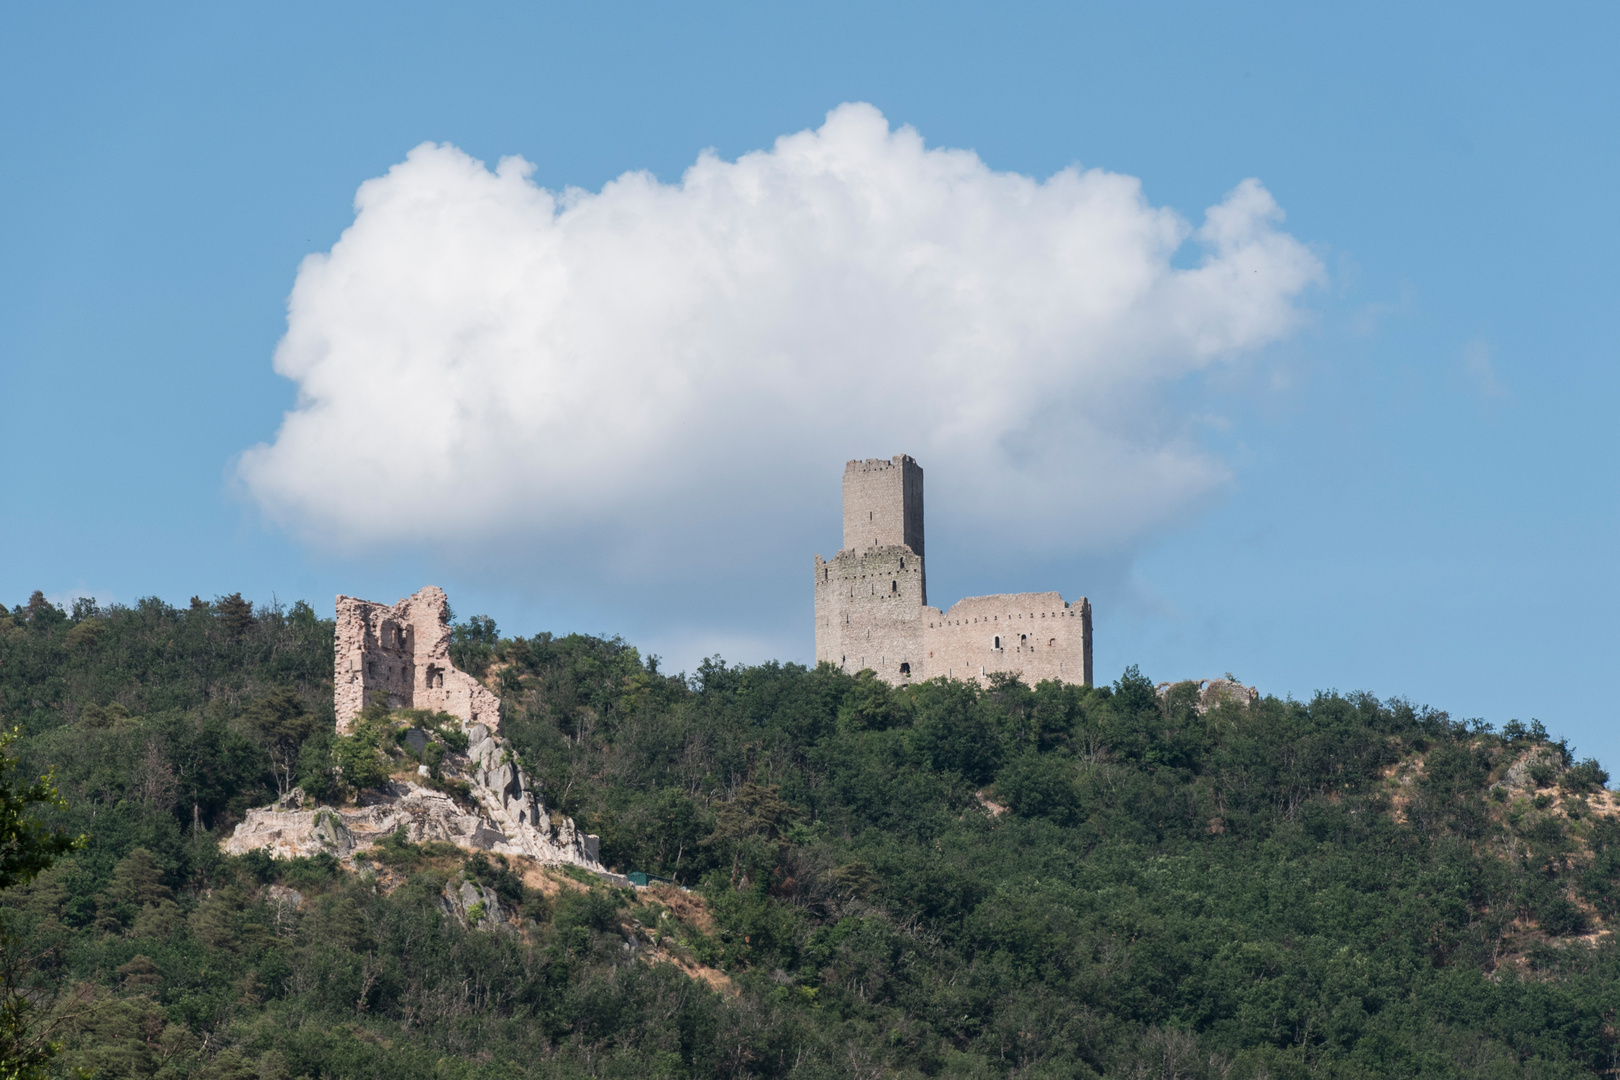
905,669
998,643
894,586
1052,644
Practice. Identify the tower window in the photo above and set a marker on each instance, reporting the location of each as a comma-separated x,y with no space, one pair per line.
905,668
998,643
894,586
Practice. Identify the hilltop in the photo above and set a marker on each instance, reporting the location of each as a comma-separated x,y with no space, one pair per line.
935,880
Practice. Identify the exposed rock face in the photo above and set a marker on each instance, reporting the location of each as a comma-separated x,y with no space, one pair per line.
404,651
1213,692
474,905
287,830
504,793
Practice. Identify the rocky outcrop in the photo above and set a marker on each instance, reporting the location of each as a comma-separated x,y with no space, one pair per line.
404,651
506,796
474,905
517,826
1213,692
288,829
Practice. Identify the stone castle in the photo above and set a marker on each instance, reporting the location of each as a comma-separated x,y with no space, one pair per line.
872,600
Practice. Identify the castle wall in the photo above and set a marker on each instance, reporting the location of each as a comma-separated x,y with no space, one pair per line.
1036,636
869,610
403,649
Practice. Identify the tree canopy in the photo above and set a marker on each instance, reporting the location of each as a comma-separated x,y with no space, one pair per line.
941,880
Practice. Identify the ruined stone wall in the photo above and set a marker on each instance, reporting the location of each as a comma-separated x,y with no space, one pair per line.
403,649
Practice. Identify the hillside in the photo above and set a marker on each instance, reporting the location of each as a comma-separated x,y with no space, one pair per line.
941,881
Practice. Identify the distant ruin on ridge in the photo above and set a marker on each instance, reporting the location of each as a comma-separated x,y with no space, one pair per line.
871,600
403,650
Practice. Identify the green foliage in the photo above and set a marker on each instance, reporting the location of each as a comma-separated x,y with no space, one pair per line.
28,847
28,843
472,643
359,760
1041,786
1330,887
1584,777
282,722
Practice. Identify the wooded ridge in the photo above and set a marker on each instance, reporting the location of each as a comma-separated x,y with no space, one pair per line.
940,880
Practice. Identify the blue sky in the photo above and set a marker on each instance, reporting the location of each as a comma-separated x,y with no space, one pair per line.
1418,494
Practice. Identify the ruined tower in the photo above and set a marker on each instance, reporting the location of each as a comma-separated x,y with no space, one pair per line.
871,599
403,650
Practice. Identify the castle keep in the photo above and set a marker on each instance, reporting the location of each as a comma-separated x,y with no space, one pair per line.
872,600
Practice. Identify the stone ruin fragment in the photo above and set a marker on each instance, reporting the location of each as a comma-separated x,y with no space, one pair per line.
403,651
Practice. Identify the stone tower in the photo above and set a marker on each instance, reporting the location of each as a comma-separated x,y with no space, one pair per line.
403,650
871,596
871,599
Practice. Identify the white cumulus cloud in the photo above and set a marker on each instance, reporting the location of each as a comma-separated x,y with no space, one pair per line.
676,366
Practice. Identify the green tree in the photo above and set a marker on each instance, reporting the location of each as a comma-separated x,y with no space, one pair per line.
235,614
359,763
28,846
282,723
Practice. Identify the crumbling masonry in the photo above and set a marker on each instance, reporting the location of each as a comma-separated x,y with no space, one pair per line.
872,600
403,651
